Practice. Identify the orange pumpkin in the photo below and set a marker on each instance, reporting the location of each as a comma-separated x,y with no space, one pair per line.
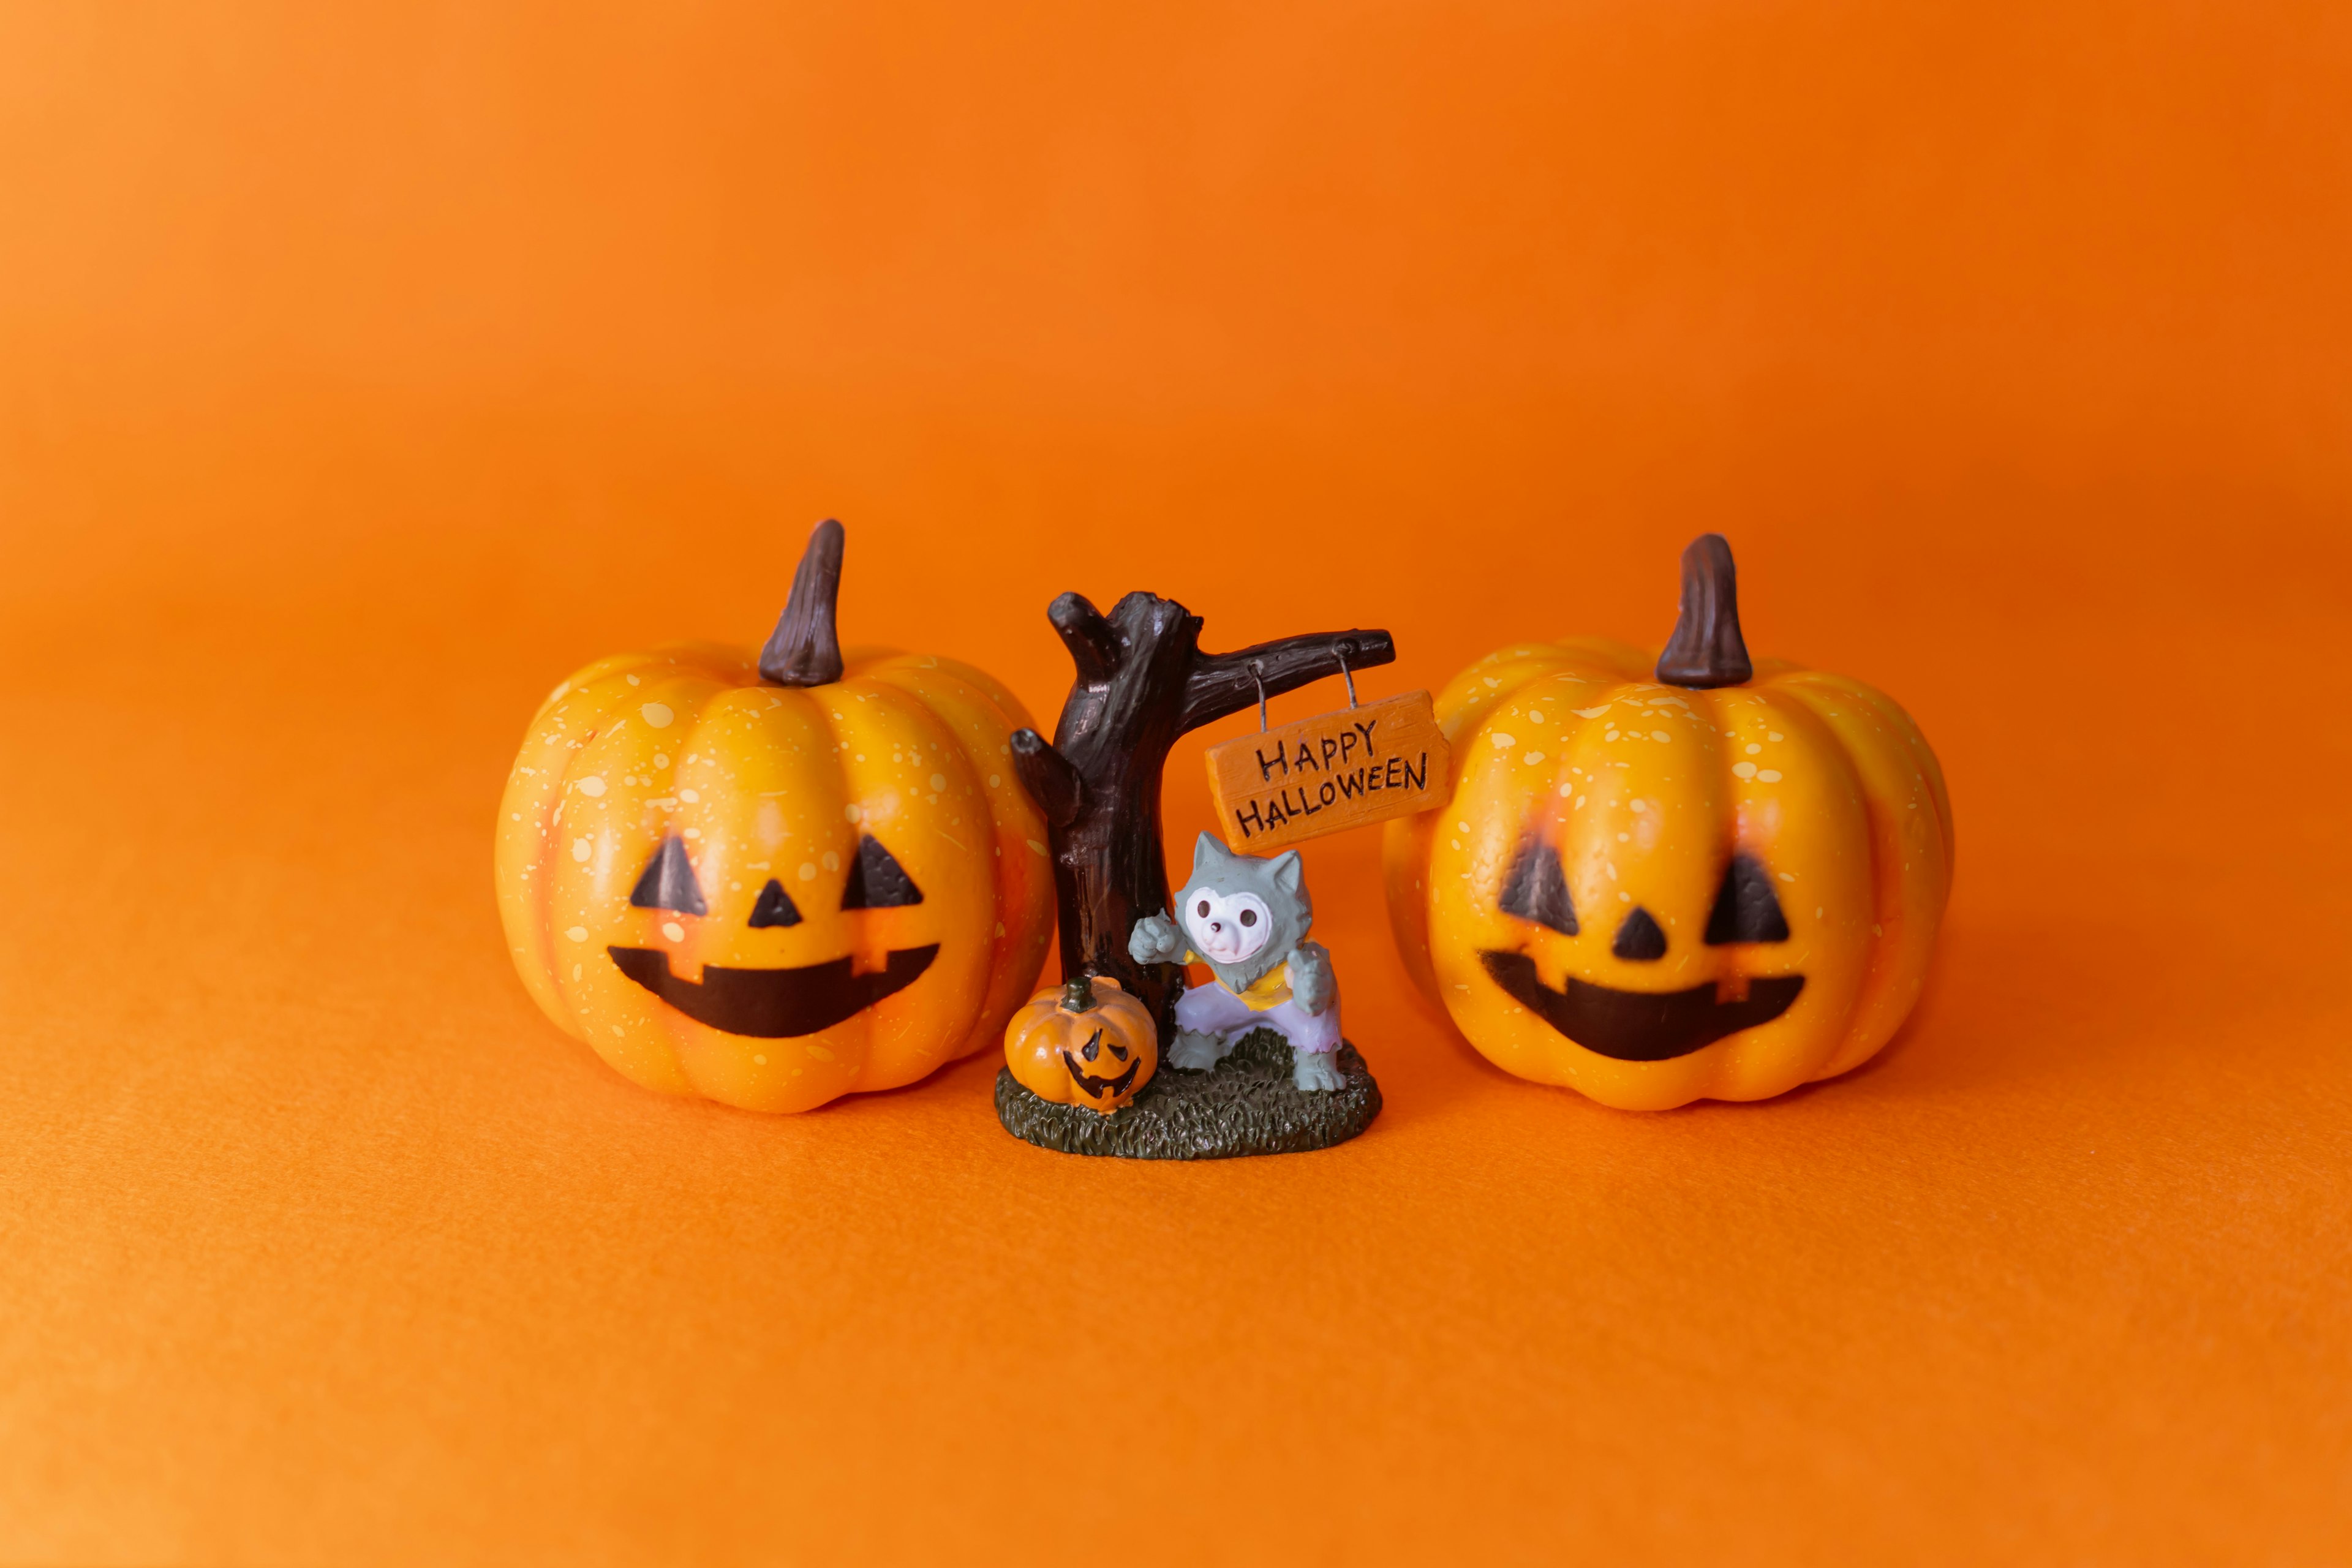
773,879
1710,880
1089,1043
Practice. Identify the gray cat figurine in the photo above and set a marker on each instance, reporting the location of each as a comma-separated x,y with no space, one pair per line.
1246,918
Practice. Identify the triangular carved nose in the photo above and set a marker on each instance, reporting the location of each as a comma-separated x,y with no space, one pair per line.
1640,939
774,907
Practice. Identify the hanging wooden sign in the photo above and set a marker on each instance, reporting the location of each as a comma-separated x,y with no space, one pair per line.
1331,772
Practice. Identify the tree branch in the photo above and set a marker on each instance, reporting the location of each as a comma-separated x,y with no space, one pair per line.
1223,683
1048,777
1093,647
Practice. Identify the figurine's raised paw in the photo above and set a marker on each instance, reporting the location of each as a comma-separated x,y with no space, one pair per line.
1156,940
1316,1071
1197,1052
1312,984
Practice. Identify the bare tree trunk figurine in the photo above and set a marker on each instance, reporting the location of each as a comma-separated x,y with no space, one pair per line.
1142,682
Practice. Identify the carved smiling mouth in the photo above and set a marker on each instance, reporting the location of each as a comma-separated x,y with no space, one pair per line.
1101,1088
773,1003
1640,1026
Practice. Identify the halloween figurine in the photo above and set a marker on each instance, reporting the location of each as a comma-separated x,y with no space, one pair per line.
774,877
1247,918
1141,681
1660,878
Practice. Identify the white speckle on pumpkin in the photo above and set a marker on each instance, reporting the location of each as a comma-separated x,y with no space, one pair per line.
576,975
938,781
999,928
1455,842
759,1061
1037,846
1579,805
673,930
1640,806
1774,735
820,1053
580,849
1491,682
1610,735
1534,715
994,780
1743,770
832,861
1503,742
808,870
578,933
1610,867
1752,748
657,714
661,759
634,681
1533,757
1769,775
853,811
1788,876
1590,712
1624,898
1624,838
514,816
689,796
619,1033
691,833
591,787
1660,735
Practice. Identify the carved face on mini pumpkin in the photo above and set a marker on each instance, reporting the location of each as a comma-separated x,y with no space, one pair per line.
773,894
1656,892
1089,1043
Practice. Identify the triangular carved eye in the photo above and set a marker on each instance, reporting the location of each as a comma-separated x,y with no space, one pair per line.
1745,908
877,880
774,907
1640,938
668,882
1537,890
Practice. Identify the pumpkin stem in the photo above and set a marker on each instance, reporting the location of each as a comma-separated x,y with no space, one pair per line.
805,649
1707,648
1078,995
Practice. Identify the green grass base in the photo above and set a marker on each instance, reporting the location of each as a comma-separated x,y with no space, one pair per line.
1247,1105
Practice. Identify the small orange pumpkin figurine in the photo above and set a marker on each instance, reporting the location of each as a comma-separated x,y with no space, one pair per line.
1663,880
1089,1043
773,879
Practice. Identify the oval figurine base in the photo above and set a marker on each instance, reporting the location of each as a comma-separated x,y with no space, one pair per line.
1245,1105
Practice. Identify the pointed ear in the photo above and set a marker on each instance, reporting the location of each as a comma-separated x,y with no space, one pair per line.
1289,873
1208,856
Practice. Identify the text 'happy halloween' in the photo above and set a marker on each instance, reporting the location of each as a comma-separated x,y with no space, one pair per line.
1334,771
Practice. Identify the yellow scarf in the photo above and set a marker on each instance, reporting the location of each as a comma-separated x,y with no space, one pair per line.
1271,989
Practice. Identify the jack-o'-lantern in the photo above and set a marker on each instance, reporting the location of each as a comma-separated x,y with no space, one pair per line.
1663,880
773,879
1089,1043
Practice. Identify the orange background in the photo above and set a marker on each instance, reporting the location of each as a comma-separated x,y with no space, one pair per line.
365,369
